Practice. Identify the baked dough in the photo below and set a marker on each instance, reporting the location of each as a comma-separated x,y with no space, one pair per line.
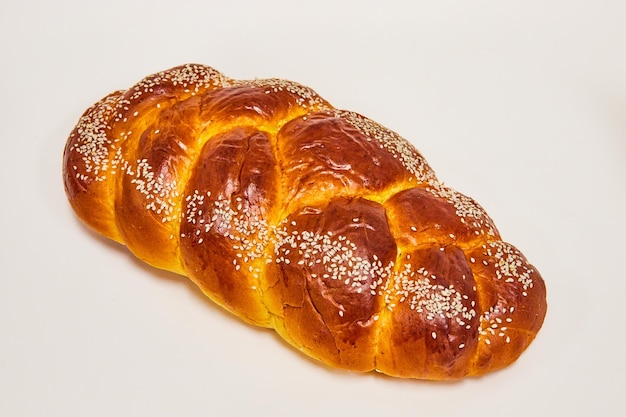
294,215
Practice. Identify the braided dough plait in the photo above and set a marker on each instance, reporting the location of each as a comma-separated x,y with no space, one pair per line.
313,221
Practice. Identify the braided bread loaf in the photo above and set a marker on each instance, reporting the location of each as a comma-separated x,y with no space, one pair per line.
317,222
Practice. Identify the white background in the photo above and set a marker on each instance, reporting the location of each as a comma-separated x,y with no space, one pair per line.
519,104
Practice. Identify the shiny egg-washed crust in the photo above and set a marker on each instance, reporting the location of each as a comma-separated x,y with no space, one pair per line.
313,221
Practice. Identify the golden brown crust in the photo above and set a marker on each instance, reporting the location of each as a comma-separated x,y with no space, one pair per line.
317,222
88,162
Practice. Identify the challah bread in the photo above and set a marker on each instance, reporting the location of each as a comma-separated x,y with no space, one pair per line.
313,221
